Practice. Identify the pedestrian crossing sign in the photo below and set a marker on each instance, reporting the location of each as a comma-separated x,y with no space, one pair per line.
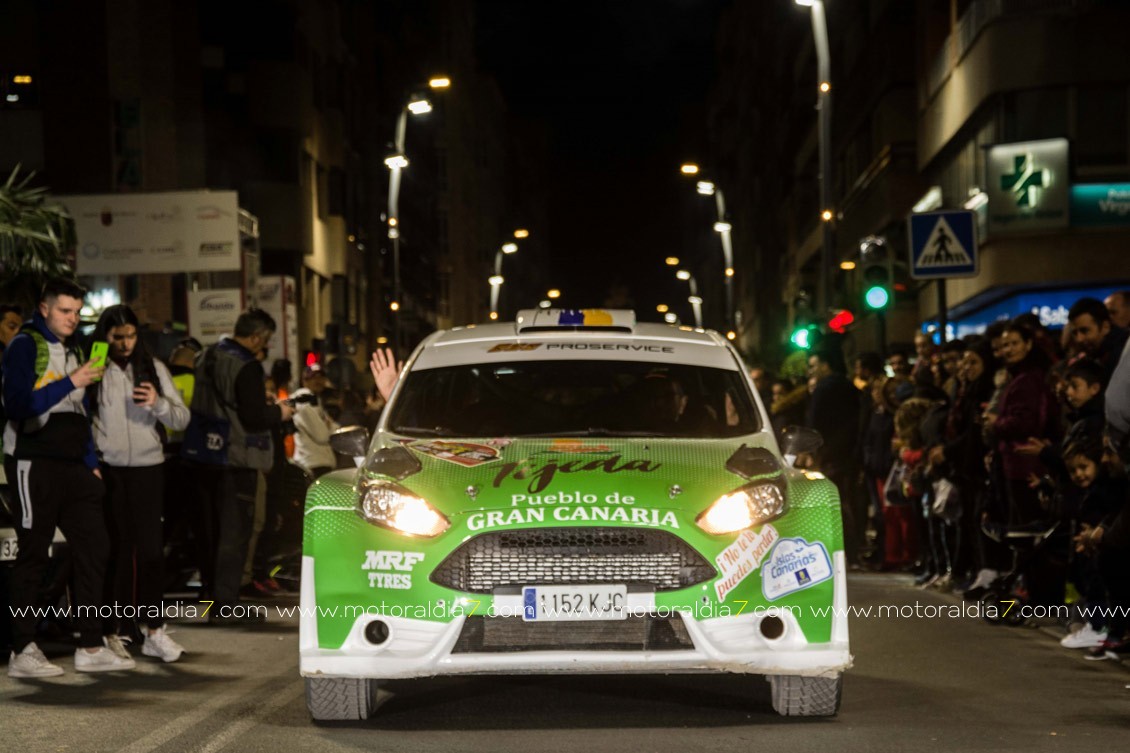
943,244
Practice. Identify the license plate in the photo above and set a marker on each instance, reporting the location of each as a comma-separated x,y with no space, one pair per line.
562,603
9,547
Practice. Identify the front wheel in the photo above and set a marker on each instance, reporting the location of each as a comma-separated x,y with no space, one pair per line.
794,695
340,698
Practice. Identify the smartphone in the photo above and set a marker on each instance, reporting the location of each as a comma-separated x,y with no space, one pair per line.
98,352
141,376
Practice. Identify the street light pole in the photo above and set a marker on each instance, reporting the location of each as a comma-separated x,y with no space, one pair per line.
394,219
497,279
725,230
396,163
824,132
693,298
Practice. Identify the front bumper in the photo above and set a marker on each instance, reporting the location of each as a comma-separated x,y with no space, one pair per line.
423,648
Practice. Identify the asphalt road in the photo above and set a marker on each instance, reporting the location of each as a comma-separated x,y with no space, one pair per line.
919,683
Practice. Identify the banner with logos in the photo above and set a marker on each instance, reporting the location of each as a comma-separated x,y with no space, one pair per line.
278,297
142,233
212,313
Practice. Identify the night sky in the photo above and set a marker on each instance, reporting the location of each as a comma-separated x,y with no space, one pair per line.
620,87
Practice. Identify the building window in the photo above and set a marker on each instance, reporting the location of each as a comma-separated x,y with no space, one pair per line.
1034,114
1101,132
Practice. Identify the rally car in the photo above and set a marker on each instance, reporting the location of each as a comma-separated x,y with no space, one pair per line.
574,492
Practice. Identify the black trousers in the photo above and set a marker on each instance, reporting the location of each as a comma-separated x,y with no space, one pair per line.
64,494
228,495
137,541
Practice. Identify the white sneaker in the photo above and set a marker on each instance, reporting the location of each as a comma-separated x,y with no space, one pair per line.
985,578
160,645
32,663
117,644
1084,637
102,660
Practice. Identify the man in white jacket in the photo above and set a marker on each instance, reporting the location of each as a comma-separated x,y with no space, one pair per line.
312,426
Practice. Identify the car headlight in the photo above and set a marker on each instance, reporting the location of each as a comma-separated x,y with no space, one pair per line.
391,506
746,507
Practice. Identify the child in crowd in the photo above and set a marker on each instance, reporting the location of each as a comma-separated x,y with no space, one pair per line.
1097,501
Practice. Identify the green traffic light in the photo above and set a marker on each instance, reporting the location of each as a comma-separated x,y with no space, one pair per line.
877,297
802,338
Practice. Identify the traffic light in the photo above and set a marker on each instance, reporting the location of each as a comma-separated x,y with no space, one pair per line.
804,336
876,274
841,320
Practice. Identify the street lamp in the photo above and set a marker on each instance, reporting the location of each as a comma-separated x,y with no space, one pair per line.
824,126
693,298
396,162
725,231
496,279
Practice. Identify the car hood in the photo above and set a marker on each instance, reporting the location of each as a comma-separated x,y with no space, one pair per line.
469,475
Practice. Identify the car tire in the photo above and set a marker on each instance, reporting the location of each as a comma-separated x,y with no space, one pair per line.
340,698
794,695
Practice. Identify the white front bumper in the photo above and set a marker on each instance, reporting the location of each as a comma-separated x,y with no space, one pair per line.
423,648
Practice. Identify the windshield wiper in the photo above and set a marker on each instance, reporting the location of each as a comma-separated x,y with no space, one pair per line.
436,431
596,431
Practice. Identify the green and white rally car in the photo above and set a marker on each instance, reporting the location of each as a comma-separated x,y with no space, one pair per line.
575,492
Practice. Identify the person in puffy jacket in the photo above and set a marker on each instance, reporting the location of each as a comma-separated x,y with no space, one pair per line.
132,408
1027,409
313,426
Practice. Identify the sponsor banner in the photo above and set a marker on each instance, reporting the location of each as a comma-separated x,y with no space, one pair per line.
155,233
212,313
643,349
278,296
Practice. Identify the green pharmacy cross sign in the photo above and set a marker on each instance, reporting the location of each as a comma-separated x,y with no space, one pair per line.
1024,180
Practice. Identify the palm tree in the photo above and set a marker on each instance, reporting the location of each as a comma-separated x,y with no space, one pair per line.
34,239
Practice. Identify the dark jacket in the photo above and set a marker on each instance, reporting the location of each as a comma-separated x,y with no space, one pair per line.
47,413
1085,423
964,444
834,412
877,453
1027,408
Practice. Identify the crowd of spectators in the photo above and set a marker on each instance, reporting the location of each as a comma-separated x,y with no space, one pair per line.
993,465
133,456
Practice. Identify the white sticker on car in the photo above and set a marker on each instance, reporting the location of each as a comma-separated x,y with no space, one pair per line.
741,558
794,565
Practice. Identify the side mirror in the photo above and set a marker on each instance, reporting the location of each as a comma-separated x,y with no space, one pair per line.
800,440
350,440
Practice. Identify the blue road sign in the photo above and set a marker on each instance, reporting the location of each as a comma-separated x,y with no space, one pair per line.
943,244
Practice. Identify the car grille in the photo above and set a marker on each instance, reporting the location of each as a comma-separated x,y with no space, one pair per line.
636,633
655,560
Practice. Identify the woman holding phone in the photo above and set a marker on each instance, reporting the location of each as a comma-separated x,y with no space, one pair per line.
132,408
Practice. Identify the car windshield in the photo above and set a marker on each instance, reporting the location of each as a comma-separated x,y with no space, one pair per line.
574,398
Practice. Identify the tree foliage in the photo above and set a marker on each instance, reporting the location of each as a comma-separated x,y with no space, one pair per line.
34,239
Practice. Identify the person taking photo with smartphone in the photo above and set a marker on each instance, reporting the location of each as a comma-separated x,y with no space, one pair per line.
52,463
132,408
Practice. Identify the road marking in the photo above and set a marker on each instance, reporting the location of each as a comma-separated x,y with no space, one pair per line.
185,722
237,728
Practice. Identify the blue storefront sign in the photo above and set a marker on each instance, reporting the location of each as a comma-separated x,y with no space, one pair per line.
1100,204
1050,305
